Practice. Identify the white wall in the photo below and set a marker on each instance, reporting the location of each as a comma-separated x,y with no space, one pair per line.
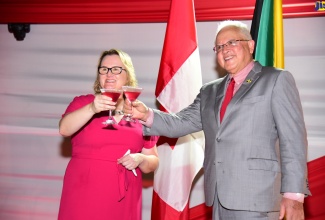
40,75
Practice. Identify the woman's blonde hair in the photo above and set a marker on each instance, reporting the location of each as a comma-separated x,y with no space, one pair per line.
126,60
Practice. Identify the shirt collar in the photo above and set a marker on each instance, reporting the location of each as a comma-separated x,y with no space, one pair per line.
241,75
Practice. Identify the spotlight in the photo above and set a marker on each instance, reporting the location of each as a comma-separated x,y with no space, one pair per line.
19,30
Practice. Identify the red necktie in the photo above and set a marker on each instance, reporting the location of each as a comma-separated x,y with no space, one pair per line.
228,96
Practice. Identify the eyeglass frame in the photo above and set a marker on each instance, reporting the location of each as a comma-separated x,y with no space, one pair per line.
229,43
110,70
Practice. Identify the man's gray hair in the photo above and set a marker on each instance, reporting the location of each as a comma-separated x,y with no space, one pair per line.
242,26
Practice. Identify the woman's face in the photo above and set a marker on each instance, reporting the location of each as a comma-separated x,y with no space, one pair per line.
111,81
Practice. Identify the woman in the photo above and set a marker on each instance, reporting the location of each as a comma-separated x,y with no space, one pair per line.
99,182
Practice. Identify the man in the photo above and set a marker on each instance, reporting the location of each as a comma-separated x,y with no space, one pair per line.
255,151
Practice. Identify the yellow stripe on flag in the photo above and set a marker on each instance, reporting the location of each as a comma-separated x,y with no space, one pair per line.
278,35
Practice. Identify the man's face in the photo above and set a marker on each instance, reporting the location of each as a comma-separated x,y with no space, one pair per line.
236,56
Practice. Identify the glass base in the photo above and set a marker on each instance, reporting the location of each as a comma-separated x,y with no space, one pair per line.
109,122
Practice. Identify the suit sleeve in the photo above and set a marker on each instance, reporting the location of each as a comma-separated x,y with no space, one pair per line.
289,120
174,125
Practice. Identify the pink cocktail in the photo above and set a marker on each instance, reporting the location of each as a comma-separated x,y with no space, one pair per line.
131,93
114,94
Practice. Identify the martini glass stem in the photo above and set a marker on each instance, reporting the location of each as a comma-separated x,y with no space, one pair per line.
128,117
110,116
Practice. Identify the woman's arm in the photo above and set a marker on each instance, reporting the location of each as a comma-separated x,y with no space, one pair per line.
149,159
73,121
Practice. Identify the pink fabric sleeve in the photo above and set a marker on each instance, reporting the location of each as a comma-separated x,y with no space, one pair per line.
79,102
294,196
150,141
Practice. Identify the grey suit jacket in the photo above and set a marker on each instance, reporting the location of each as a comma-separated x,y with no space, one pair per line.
258,151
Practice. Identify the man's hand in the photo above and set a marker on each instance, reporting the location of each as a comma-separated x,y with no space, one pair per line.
138,110
291,209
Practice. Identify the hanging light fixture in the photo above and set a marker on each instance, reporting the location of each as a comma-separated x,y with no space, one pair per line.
19,30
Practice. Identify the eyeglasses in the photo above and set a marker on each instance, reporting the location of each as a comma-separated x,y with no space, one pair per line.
230,44
115,70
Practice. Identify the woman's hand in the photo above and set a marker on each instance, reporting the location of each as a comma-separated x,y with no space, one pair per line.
131,161
102,103
147,160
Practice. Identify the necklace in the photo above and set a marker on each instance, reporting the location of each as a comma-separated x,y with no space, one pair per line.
118,112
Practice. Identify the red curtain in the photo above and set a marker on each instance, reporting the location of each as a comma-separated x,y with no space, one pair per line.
315,204
130,11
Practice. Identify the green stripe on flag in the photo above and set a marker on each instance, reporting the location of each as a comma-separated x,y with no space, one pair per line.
264,45
267,31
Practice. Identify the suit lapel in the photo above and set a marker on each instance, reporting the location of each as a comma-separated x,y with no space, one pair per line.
250,80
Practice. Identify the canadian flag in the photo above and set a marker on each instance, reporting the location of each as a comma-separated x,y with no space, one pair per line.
179,81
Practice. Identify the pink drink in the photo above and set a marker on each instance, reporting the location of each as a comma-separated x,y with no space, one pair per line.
113,95
132,95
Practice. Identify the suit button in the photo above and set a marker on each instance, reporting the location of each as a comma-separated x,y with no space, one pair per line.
218,139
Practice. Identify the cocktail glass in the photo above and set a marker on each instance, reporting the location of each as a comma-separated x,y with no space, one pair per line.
114,94
131,93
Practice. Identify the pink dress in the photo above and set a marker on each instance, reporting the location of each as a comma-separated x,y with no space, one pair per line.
95,187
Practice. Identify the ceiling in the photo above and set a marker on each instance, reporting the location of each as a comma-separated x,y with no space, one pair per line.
135,11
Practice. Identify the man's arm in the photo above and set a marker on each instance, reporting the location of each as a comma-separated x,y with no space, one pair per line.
172,125
288,115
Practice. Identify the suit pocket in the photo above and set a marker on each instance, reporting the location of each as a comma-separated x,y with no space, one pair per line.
263,164
254,99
